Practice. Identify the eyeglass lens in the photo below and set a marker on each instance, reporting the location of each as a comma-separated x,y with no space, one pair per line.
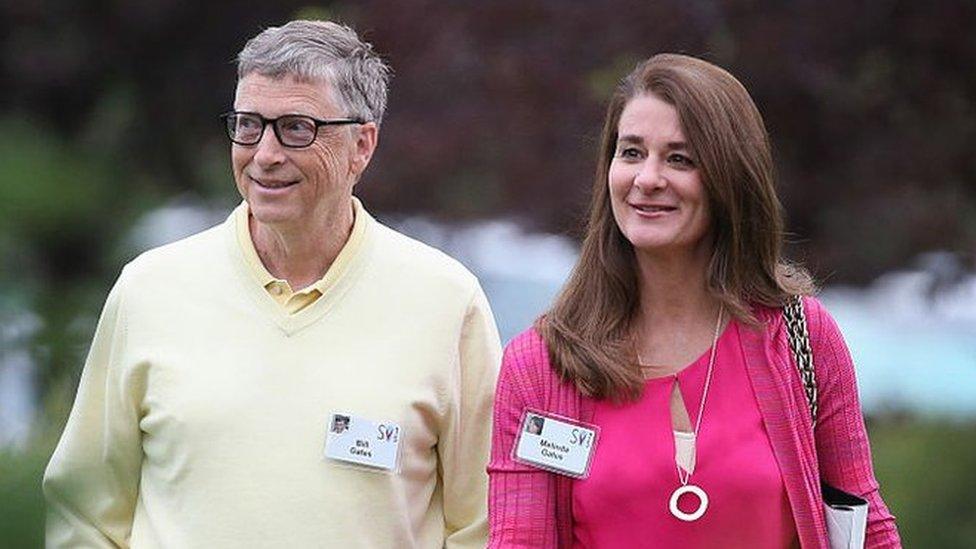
293,131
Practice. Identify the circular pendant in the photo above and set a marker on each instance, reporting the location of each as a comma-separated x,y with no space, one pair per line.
702,502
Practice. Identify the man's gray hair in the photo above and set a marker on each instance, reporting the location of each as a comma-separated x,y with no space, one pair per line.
322,50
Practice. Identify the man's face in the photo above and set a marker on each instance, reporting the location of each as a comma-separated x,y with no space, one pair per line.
295,187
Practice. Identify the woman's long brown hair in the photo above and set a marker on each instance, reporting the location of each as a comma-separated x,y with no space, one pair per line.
588,329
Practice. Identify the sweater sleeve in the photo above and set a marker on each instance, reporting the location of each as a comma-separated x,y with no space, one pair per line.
463,447
92,481
521,498
842,443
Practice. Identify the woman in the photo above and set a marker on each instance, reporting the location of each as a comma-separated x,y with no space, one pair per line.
668,344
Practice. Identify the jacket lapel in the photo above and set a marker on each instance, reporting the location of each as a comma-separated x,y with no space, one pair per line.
772,377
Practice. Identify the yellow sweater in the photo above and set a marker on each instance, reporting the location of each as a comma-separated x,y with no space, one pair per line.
202,412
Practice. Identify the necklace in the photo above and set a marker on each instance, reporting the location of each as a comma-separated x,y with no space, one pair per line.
684,477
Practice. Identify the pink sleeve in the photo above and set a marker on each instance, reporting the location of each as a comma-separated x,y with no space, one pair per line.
521,498
842,443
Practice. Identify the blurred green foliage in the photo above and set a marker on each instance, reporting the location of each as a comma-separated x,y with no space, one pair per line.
61,206
926,477
51,188
21,502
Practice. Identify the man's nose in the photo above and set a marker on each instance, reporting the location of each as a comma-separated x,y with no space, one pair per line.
269,150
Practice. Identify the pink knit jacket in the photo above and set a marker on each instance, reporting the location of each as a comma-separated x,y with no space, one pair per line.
529,507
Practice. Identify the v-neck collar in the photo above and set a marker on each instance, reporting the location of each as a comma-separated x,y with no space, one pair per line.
339,278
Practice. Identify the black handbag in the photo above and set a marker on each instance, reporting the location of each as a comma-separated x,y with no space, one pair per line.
846,514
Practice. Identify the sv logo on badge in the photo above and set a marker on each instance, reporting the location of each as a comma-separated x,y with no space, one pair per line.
581,437
388,433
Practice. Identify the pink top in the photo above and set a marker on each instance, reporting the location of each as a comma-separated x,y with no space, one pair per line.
624,501
529,507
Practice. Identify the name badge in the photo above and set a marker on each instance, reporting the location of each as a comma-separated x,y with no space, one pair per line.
359,441
555,443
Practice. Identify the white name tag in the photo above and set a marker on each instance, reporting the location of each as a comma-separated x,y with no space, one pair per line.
357,440
555,443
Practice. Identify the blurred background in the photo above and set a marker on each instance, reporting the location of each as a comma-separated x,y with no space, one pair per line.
110,144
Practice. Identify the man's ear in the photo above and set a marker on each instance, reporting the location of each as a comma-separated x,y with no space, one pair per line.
366,137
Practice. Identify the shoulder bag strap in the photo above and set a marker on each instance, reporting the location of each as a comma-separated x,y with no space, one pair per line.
799,337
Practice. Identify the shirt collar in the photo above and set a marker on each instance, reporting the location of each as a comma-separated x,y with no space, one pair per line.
264,277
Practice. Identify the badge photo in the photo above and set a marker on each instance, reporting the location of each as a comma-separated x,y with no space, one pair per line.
555,443
360,442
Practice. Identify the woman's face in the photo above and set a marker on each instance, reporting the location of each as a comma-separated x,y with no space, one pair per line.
656,191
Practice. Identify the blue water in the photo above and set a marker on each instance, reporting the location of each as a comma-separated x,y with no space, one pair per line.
920,360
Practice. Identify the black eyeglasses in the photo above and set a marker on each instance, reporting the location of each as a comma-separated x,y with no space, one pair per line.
294,131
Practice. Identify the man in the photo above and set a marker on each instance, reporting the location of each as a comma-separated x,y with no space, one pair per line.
221,361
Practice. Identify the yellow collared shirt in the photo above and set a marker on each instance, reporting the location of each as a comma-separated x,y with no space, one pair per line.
280,290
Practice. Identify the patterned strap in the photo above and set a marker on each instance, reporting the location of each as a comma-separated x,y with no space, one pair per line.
799,336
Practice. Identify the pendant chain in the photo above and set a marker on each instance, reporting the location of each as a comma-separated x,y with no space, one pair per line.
685,476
